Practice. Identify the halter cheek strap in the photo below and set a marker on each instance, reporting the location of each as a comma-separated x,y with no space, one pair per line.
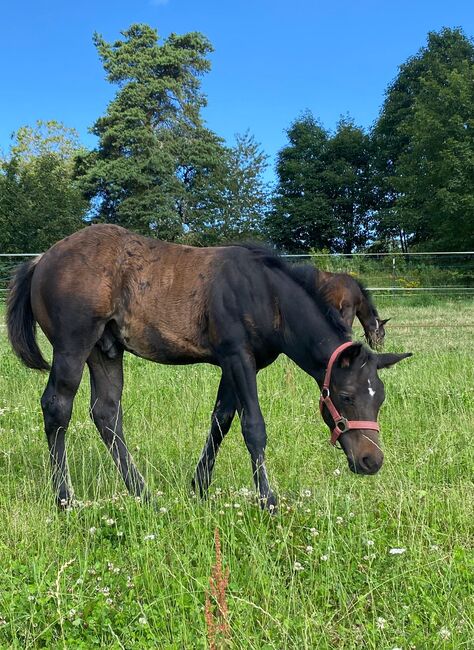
341,424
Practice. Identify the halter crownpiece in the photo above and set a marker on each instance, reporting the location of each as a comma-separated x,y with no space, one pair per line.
341,424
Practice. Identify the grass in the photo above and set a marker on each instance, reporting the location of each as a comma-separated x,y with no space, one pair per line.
116,574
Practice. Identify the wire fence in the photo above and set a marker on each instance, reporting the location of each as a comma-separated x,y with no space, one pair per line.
440,274
443,274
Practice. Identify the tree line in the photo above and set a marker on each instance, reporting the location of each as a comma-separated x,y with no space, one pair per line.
406,183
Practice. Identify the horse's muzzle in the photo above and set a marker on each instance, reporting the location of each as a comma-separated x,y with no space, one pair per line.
369,464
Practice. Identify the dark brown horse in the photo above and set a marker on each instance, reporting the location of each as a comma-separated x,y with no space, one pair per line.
104,290
350,298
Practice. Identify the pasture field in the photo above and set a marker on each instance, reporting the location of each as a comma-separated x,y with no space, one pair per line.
324,572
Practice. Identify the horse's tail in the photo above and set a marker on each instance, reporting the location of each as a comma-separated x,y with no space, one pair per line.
21,324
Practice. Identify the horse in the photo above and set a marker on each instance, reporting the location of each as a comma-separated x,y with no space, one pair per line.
350,298
104,290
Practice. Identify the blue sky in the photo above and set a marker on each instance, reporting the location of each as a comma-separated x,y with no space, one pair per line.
272,59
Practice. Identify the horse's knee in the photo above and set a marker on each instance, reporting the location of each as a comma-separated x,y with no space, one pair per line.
255,437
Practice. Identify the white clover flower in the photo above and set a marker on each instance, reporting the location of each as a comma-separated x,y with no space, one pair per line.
149,538
444,633
79,581
314,532
227,505
306,493
309,549
324,558
92,530
297,566
370,542
434,547
110,521
236,506
163,510
142,620
351,515
397,551
380,622
339,520
337,472
221,512
240,513
109,601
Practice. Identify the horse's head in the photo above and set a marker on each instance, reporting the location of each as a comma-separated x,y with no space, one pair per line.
375,335
351,397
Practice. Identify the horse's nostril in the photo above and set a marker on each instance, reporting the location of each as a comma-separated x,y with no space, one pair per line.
370,463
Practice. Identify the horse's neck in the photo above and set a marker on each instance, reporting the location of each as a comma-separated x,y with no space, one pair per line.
367,315
308,337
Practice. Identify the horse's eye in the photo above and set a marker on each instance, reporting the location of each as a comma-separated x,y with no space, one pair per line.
347,399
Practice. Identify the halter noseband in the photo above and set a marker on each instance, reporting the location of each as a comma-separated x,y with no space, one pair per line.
341,424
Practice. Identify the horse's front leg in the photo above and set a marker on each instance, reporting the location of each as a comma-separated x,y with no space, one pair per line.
221,420
242,371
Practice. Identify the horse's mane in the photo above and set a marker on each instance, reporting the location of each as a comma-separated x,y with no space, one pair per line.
303,275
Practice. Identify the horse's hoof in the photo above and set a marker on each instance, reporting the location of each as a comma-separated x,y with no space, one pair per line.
269,503
65,505
198,488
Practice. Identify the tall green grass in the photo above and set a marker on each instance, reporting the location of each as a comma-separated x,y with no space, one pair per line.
114,573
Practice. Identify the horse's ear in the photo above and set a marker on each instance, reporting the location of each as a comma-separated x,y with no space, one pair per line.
385,321
388,359
348,356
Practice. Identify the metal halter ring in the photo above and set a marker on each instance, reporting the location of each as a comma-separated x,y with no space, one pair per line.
342,424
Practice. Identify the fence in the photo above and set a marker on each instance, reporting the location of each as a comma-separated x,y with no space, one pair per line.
394,275
447,274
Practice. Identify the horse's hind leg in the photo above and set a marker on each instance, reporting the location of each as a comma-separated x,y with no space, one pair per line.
106,373
221,420
56,402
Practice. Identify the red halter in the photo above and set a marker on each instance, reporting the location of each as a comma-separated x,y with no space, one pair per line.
340,422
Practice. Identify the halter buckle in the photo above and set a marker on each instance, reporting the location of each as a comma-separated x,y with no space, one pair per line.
325,393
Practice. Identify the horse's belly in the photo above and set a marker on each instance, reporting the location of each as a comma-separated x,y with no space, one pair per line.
164,345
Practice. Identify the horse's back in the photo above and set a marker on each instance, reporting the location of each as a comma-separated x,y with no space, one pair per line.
153,294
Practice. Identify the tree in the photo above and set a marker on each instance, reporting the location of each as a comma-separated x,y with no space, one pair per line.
39,201
350,185
324,194
425,142
301,218
156,162
235,208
